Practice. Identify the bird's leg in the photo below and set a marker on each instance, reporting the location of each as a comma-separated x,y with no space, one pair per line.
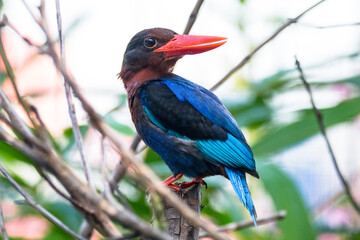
169,182
193,181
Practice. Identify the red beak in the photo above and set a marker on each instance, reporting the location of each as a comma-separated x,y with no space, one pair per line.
190,44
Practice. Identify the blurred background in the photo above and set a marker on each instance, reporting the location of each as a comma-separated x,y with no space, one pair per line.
266,97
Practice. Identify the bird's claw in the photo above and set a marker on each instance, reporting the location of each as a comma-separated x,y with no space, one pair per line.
179,187
185,185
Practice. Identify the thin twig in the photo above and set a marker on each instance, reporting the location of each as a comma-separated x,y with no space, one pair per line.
2,223
18,124
4,119
127,237
320,121
29,200
252,53
193,16
53,186
11,75
86,229
135,142
43,132
70,102
31,12
103,163
21,146
5,22
246,224
331,26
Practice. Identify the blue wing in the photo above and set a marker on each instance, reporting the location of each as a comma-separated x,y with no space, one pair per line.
186,110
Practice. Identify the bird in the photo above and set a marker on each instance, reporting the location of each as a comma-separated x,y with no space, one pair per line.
183,122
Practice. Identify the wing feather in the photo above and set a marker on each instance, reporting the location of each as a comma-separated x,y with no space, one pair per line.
186,110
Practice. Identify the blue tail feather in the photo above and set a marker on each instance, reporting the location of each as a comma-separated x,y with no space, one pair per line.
238,181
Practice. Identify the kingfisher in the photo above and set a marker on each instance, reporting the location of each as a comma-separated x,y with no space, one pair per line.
184,123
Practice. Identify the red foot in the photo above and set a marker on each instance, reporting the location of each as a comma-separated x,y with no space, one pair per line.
193,181
169,182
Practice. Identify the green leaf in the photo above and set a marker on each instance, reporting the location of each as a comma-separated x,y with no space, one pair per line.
55,232
121,102
121,128
69,136
65,213
3,76
306,126
8,153
152,157
250,114
353,80
285,195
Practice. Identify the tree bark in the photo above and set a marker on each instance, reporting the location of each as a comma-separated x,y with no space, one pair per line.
178,227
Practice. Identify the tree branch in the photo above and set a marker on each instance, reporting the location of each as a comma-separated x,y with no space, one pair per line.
178,226
71,107
332,26
252,53
246,224
18,124
29,200
193,16
11,75
2,223
320,121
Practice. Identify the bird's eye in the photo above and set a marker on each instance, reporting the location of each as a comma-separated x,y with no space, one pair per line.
150,42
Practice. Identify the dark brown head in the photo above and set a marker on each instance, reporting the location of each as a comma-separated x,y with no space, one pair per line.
152,53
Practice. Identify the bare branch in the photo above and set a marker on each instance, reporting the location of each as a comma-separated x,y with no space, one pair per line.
29,200
42,129
31,12
135,142
4,119
53,186
25,39
246,224
252,53
193,16
20,146
2,223
120,170
71,107
332,26
11,76
320,121
179,227
17,123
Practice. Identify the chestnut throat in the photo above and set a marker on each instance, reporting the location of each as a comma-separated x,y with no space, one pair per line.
135,77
